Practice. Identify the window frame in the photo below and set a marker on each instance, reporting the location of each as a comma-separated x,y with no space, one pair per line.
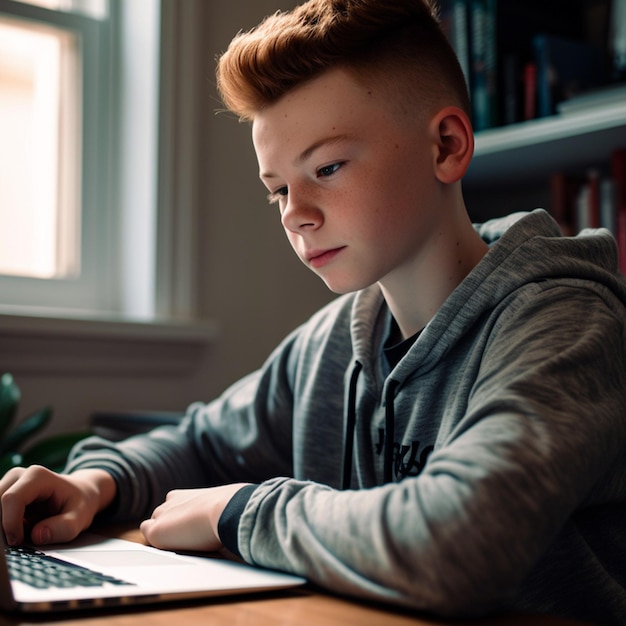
94,289
173,302
173,336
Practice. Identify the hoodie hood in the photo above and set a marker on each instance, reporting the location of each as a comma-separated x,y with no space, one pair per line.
524,248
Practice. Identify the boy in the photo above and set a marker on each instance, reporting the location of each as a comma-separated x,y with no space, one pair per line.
448,435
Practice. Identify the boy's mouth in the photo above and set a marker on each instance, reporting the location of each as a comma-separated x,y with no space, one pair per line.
319,258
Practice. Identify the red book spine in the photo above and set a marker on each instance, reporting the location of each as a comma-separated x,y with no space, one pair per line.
561,202
594,198
530,91
618,172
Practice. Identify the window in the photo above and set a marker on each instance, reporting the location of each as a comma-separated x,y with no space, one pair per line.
40,128
79,140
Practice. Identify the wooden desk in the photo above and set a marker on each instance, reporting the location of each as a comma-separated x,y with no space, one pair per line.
301,607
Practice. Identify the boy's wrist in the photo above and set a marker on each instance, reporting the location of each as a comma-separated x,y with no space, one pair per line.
100,484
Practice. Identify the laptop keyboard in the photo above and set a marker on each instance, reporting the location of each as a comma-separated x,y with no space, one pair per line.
40,570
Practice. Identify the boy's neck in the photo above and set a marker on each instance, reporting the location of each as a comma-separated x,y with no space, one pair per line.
414,296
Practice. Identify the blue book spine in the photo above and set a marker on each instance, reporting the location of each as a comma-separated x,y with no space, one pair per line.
454,20
479,77
544,81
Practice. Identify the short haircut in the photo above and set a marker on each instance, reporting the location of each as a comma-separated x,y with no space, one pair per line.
400,41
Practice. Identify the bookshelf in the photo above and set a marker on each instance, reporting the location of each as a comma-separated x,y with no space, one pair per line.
551,96
527,152
513,164
514,169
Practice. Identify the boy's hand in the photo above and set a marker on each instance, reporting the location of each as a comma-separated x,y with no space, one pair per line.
188,519
44,507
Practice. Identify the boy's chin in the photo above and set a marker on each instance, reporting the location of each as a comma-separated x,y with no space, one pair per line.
342,289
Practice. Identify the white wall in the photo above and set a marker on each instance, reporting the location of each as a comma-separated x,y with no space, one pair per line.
249,281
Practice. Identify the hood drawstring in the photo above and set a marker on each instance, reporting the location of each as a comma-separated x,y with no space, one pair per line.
348,444
390,422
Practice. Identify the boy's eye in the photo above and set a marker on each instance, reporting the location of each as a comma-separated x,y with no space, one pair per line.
275,196
328,170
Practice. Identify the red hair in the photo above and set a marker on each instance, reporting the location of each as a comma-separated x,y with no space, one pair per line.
398,40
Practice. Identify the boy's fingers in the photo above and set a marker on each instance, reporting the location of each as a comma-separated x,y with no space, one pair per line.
153,533
13,503
13,518
24,488
56,529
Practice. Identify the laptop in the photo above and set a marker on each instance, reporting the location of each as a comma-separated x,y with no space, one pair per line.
96,571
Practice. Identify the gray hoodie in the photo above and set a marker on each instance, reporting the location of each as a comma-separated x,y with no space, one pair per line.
485,471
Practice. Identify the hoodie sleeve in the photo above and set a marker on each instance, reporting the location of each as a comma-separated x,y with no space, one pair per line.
543,427
243,436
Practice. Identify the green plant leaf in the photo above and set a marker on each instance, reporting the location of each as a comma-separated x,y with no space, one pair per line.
25,429
9,461
9,400
53,451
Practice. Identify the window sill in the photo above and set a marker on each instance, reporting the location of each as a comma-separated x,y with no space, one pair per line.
53,343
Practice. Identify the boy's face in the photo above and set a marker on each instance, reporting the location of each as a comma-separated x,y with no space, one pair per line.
354,182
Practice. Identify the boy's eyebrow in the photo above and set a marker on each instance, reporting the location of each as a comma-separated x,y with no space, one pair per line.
306,154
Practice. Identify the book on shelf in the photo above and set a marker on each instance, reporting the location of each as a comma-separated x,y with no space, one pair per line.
454,16
565,68
520,58
563,192
594,204
618,39
618,176
595,199
530,91
483,62
470,26
509,90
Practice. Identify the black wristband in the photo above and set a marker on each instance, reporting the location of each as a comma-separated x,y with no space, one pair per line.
228,524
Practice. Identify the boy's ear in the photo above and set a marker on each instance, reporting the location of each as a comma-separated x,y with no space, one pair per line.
453,144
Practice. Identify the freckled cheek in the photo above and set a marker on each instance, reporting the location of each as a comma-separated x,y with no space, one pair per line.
379,202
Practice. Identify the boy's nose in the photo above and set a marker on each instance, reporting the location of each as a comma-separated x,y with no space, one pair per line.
300,213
